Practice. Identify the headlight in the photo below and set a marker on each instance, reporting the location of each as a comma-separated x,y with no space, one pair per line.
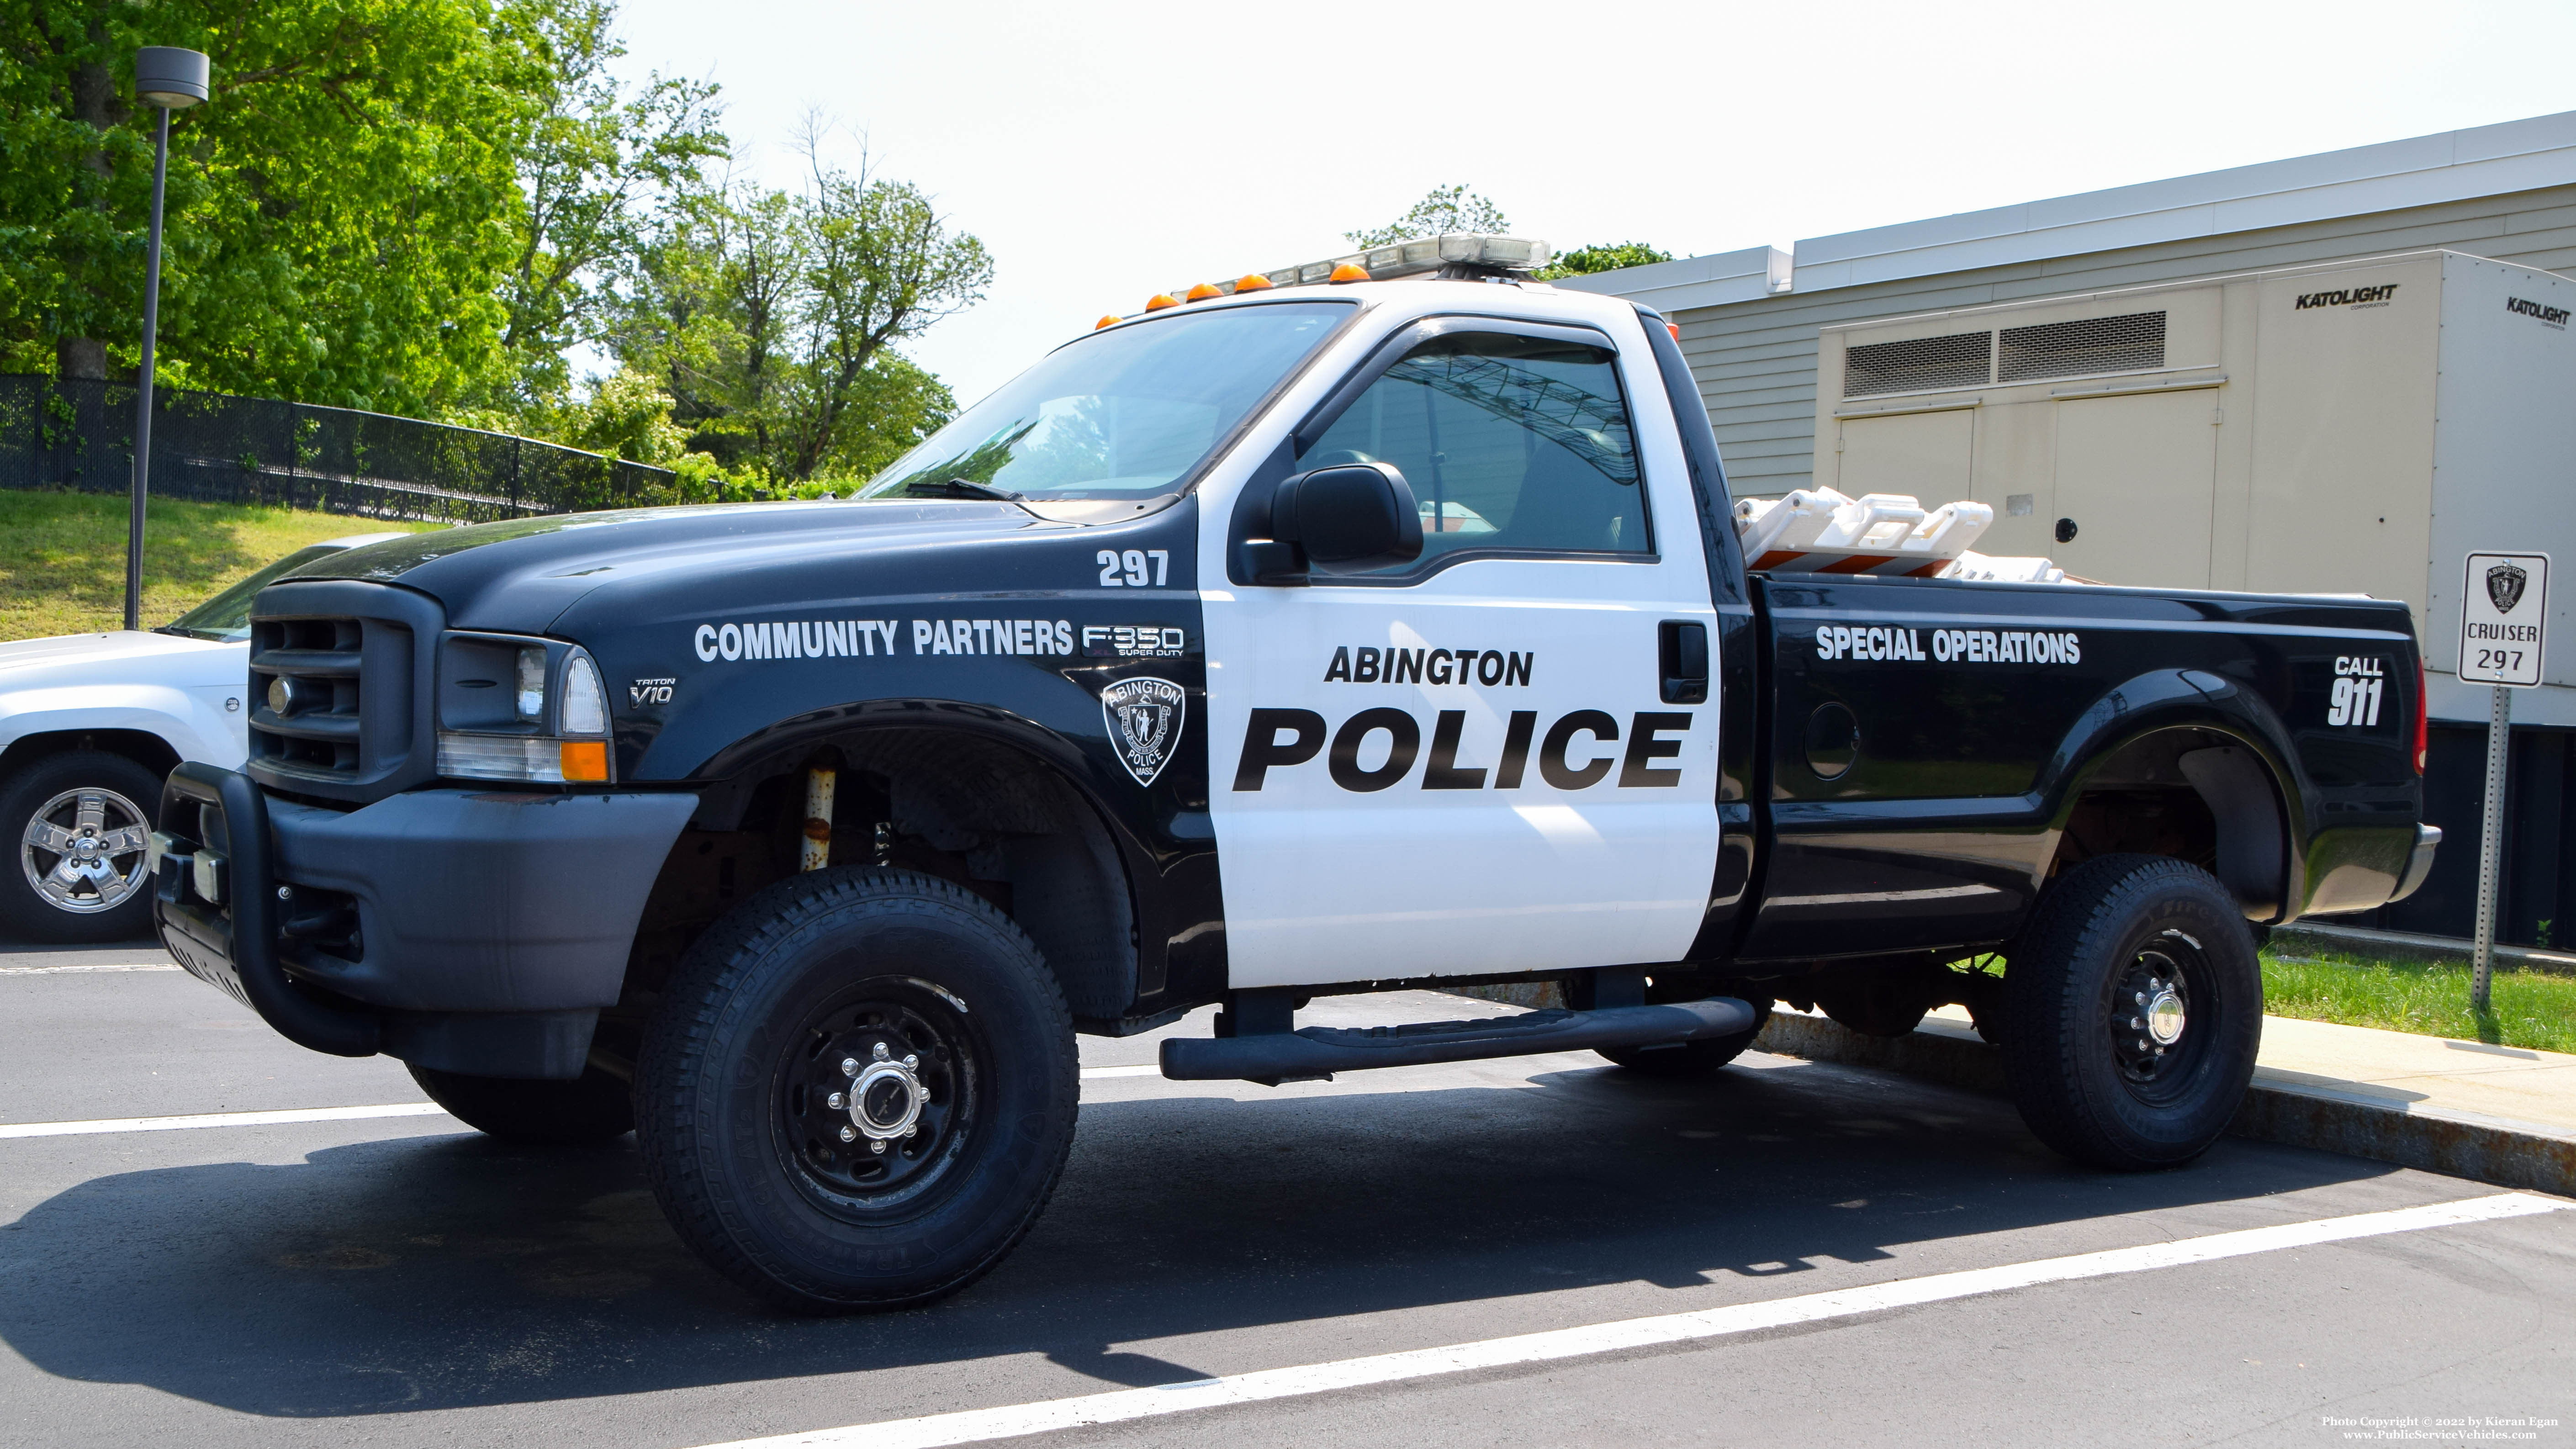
552,726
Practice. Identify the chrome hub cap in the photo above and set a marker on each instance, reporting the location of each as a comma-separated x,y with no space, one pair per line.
2164,1016
885,1097
83,852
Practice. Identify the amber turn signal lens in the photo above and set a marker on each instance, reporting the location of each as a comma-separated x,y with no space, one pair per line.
1252,282
1107,322
1161,300
1202,292
585,759
1674,328
1350,272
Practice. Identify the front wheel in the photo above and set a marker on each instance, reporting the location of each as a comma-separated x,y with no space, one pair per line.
2133,1007
858,1092
83,819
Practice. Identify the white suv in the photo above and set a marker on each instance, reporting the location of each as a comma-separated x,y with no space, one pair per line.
89,725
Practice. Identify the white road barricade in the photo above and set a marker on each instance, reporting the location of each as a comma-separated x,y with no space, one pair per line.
1820,531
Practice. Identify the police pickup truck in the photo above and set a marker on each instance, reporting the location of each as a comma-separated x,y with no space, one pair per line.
1362,626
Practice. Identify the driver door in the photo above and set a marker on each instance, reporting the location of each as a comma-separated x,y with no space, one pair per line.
1468,764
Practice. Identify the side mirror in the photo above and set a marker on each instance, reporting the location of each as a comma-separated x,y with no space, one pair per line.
1347,518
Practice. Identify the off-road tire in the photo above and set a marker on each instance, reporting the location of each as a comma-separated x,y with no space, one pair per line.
1692,1058
733,1135
590,1109
24,912
2109,919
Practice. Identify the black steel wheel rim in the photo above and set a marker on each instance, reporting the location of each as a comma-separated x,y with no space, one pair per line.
876,1099
2160,1015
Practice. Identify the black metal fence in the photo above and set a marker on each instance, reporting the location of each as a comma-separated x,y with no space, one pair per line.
217,448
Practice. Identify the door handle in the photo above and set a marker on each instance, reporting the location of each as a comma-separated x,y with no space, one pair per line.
1682,653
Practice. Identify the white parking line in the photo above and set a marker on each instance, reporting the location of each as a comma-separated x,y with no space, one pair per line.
77,970
979,1425
219,1119
319,1114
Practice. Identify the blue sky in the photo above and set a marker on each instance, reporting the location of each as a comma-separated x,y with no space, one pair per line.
1107,151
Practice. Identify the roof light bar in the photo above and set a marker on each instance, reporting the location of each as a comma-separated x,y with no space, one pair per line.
1469,252
1470,255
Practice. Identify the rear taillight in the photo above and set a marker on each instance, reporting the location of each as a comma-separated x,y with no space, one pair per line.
2423,717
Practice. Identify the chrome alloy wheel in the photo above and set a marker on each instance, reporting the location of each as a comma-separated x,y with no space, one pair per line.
84,851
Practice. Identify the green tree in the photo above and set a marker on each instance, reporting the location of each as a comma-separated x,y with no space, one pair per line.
772,318
596,165
1584,261
338,214
1445,210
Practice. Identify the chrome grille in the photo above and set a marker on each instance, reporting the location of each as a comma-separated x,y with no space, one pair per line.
314,668
339,682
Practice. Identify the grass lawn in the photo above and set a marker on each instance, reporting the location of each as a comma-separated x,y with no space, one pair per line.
62,556
2532,1009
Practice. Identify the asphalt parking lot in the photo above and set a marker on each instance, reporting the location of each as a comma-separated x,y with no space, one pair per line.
398,1280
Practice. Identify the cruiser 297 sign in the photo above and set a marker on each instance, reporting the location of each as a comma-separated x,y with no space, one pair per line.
2504,606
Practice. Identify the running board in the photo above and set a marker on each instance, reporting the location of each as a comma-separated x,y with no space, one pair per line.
1320,1051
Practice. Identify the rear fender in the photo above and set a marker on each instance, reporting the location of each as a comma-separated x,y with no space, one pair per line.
2261,801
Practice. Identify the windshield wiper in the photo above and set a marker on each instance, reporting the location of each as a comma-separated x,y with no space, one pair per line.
960,488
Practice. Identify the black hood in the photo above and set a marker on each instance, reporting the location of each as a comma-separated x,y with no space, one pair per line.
523,575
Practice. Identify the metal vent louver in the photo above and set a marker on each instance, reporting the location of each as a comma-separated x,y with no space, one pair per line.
2131,343
1917,364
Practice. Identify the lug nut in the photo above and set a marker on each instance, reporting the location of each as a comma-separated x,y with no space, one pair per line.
849,1134
911,1132
911,1062
286,893
877,1147
881,1052
849,1066
835,1101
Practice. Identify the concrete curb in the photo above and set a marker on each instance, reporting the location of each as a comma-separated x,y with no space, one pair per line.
2281,1107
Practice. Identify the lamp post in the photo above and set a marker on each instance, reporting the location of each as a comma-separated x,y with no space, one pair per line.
174,80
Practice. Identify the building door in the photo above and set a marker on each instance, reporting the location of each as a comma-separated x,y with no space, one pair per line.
1926,455
2137,476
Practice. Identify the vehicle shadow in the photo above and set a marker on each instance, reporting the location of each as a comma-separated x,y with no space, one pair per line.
443,1272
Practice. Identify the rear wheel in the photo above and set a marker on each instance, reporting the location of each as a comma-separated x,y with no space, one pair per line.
859,1091
82,820
592,1108
2133,1009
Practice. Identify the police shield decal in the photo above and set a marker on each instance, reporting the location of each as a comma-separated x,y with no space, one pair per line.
1144,717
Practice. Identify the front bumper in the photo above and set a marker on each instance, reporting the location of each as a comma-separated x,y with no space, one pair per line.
472,930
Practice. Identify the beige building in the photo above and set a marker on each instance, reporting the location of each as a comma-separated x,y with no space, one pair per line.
2120,366
1751,320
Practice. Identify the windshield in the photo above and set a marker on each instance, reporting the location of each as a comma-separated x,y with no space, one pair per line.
1125,413
226,616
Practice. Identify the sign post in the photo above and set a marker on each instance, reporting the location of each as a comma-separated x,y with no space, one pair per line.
2504,612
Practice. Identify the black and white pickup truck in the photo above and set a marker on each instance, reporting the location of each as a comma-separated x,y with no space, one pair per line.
1307,639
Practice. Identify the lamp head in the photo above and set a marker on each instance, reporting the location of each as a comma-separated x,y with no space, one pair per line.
169,77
